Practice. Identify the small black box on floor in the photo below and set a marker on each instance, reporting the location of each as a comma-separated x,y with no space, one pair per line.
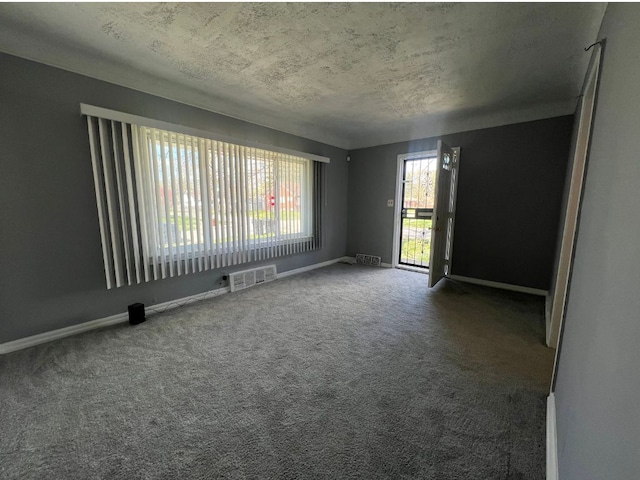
136,313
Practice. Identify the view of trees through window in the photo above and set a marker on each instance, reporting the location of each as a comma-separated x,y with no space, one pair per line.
212,192
419,186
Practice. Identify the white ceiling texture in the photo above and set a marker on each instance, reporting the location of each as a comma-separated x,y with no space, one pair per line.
348,74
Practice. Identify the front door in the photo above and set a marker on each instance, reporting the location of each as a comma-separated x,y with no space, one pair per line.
443,213
418,183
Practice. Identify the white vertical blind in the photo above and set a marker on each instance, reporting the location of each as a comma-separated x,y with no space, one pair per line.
172,204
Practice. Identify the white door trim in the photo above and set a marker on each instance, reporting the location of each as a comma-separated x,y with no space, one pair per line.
552,439
570,225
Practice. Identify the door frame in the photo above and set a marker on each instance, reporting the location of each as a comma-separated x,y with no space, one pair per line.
559,295
397,214
558,311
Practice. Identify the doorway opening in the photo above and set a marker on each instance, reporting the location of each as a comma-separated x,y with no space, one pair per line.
426,203
417,203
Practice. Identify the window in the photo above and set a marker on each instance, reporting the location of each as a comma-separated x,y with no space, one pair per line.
210,201
172,202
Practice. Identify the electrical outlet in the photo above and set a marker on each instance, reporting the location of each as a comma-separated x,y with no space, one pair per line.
389,203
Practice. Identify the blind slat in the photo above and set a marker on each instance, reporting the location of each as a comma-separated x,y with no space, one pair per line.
119,206
215,208
235,204
206,201
141,197
270,208
173,205
290,201
100,200
252,205
195,165
166,230
107,162
183,208
131,200
244,205
158,244
186,235
218,207
213,187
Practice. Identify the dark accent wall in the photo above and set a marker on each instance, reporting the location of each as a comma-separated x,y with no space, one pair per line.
509,195
597,390
51,271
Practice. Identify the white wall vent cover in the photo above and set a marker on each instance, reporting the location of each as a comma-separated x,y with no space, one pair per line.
368,259
249,278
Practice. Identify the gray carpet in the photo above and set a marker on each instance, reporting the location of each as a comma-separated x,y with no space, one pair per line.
342,372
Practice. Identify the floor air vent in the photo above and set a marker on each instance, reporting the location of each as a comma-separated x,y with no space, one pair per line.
363,259
249,278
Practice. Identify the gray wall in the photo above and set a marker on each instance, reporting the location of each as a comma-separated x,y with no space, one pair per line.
598,384
509,195
51,272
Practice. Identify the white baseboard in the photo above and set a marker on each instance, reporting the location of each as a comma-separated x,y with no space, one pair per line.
295,271
45,337
180,302
552,439
504,286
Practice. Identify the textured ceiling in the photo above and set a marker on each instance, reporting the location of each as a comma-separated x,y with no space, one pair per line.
348,74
